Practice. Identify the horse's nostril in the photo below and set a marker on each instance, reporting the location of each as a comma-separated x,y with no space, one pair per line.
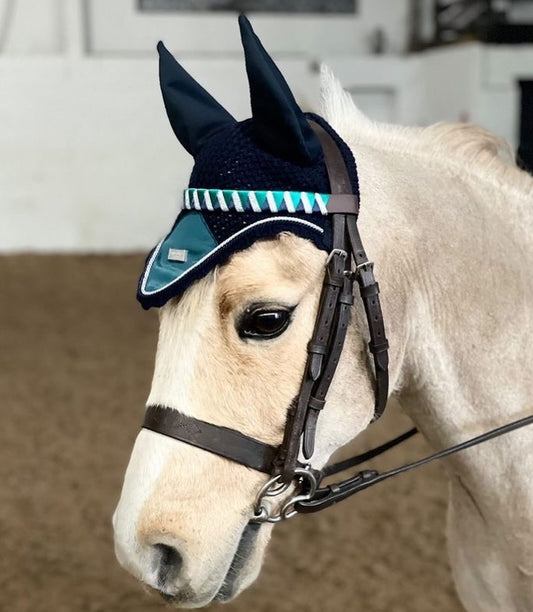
168,562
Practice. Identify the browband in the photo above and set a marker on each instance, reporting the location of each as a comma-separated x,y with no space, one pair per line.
238,200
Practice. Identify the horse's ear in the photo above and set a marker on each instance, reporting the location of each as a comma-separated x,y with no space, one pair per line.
279,124
193,113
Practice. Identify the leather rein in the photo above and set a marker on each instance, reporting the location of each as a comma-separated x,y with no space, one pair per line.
346,264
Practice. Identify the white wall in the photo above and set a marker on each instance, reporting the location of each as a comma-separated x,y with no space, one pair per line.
89,163
28,27
87,159
119,28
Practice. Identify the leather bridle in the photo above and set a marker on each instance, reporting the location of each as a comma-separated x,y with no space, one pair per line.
346,263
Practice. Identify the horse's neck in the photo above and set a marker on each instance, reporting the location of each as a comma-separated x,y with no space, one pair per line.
454,257
453,262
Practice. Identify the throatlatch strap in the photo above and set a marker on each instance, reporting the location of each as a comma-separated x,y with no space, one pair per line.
369,290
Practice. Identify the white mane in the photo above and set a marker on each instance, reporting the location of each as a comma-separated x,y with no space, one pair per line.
472,148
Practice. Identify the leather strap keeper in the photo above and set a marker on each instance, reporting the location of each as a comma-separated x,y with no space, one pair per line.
369,290
319,349
316,403
343,203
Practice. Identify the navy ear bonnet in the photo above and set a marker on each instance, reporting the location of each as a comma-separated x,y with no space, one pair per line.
251,179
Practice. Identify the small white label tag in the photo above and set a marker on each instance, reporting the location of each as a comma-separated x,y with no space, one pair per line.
177,255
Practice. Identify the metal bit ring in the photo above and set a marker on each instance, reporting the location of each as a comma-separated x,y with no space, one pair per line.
274,487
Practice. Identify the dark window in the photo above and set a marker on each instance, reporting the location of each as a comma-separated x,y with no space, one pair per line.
264,6
457,19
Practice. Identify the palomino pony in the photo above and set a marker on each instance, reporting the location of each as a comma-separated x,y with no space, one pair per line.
448,220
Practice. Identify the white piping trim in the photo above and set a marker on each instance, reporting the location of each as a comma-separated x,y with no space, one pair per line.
253,202
237,202
308,207
187,200
196,200
320,202
271,202
242,231
207,200
221,201
289,205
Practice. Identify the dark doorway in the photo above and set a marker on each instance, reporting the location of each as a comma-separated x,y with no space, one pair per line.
525,148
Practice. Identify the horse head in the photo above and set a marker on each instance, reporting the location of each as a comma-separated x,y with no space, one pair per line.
239,281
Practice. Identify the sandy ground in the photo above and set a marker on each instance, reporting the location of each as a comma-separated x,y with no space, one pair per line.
76,357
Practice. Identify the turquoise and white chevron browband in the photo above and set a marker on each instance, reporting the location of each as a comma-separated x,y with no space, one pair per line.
230,200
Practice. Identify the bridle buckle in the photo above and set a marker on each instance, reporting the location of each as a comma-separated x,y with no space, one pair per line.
340,252
366,266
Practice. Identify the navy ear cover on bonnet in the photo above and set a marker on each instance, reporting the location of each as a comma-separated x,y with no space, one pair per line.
274,151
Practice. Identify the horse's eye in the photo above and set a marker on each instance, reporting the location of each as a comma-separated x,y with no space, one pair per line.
264,323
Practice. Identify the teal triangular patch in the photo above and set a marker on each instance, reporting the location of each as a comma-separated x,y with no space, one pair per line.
192,238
